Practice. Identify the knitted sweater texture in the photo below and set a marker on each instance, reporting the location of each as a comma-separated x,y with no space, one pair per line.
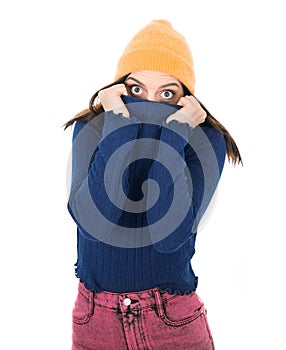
139,189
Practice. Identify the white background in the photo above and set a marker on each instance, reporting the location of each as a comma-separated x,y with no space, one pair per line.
54,56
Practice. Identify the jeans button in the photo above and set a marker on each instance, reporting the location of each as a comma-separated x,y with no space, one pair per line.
126,301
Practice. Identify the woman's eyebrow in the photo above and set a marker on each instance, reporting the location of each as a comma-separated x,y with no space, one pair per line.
137,81
170,84
163,86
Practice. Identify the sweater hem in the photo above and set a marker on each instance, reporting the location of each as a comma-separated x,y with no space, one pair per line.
170,291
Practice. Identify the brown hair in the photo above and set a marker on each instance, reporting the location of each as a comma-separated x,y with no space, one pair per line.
232,150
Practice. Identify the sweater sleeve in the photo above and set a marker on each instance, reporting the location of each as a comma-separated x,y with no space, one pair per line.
187,169
95,200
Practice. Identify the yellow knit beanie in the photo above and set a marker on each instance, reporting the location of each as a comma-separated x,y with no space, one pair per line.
159,47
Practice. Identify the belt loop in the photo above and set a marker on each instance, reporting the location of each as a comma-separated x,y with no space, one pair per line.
91,302
158,301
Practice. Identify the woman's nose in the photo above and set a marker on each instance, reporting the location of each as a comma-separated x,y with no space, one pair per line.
152,97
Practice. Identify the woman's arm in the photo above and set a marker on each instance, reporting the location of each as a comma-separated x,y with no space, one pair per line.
192,164
96,176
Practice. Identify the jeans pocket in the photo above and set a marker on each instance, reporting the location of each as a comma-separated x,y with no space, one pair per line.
83,308
182,309
206,322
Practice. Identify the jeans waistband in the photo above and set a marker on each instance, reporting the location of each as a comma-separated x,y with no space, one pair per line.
127,301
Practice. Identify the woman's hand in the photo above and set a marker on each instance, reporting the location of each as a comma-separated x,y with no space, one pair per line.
110,99
191,112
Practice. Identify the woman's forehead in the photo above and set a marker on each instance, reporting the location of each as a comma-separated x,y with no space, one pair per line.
153,75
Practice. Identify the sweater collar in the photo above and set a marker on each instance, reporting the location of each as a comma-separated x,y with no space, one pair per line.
149,111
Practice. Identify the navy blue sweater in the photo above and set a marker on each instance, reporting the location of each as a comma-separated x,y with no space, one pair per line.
139,190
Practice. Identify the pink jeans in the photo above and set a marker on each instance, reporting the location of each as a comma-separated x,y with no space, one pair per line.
147,320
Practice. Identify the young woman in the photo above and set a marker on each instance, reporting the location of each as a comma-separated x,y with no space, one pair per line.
147,159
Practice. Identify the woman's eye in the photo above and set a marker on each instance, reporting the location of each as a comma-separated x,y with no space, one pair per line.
136,90
167,94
